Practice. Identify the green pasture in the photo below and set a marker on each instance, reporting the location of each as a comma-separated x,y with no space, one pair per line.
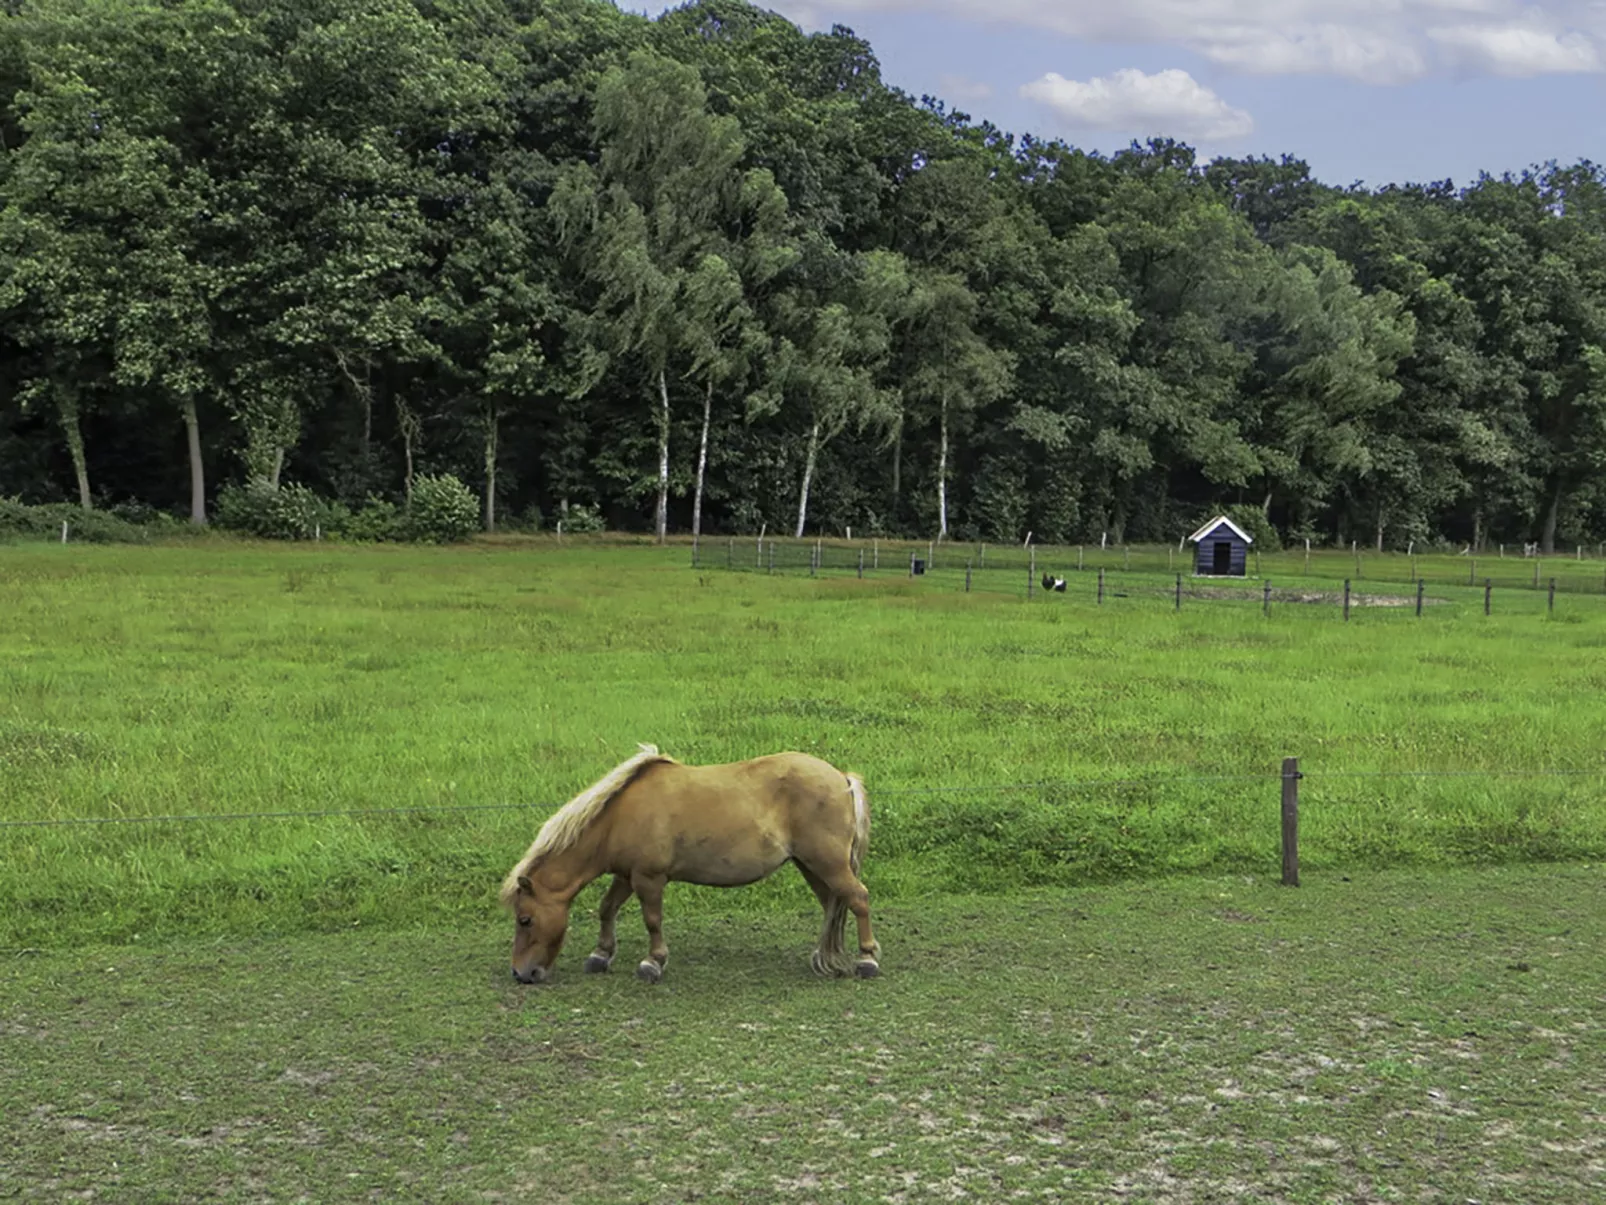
1370,1037
1006,743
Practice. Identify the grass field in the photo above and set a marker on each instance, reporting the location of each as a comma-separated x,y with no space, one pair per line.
223,678
1376,1037
1092,991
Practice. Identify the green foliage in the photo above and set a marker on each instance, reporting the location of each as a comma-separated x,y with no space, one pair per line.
378,519
441,510
712,272
1252,520
290,511
22,522
583,520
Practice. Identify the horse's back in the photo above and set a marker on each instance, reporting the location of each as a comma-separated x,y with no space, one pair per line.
734,822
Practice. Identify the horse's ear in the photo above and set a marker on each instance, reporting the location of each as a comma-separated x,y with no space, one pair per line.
525,887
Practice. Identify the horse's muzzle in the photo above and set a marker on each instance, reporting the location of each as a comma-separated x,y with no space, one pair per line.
533,975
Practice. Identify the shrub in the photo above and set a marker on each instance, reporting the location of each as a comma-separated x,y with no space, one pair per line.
442,509
19,521
1253,520
377,520
290,512
583,520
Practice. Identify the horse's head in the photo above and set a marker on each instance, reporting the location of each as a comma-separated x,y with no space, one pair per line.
541,919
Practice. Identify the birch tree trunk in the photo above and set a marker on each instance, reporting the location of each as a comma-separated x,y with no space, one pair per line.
662,519
492,421
702,463
68,408
808,478
897,467
278,466
192,424
942,474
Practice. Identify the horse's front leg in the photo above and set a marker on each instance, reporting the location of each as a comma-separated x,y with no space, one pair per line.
651,891
618,892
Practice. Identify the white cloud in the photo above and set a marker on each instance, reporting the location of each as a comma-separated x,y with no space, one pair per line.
958,87
1168,103
1514,50
1376,41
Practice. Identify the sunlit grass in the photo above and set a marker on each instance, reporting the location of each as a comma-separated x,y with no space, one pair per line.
227,678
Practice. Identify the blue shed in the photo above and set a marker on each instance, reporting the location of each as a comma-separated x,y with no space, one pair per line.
1222,549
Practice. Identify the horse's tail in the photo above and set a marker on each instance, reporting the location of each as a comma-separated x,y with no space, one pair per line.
833,957
861,822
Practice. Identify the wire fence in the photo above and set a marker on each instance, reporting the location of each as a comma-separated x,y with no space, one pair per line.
1059,786
1345,578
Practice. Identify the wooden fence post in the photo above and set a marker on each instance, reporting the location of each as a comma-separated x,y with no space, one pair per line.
1291,777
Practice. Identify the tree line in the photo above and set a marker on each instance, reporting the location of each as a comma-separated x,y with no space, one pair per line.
710,273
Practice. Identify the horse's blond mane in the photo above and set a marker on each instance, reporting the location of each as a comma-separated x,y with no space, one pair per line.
564,826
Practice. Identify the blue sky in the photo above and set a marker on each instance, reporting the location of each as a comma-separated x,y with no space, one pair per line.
1371,90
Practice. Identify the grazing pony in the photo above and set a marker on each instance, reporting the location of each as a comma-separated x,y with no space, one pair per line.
651,820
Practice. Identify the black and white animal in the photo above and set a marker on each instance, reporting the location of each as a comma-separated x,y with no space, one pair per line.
1056,584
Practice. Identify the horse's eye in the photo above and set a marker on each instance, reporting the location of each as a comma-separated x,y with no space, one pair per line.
524,922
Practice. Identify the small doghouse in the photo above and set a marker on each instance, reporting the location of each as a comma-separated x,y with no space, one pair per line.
1222,549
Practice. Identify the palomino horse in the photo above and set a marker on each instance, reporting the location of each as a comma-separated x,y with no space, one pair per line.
651,820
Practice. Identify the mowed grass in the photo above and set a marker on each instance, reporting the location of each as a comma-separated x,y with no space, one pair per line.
1370,1037
1005,743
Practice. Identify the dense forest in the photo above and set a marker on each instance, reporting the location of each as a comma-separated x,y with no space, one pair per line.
707,272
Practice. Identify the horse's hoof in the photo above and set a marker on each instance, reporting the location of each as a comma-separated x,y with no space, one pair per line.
649,972
867,968
596,964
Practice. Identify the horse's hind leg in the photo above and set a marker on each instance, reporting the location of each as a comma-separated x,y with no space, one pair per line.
651,891
827,958
618,892
842,889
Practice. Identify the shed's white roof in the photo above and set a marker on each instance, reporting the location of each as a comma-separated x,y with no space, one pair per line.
1217,522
